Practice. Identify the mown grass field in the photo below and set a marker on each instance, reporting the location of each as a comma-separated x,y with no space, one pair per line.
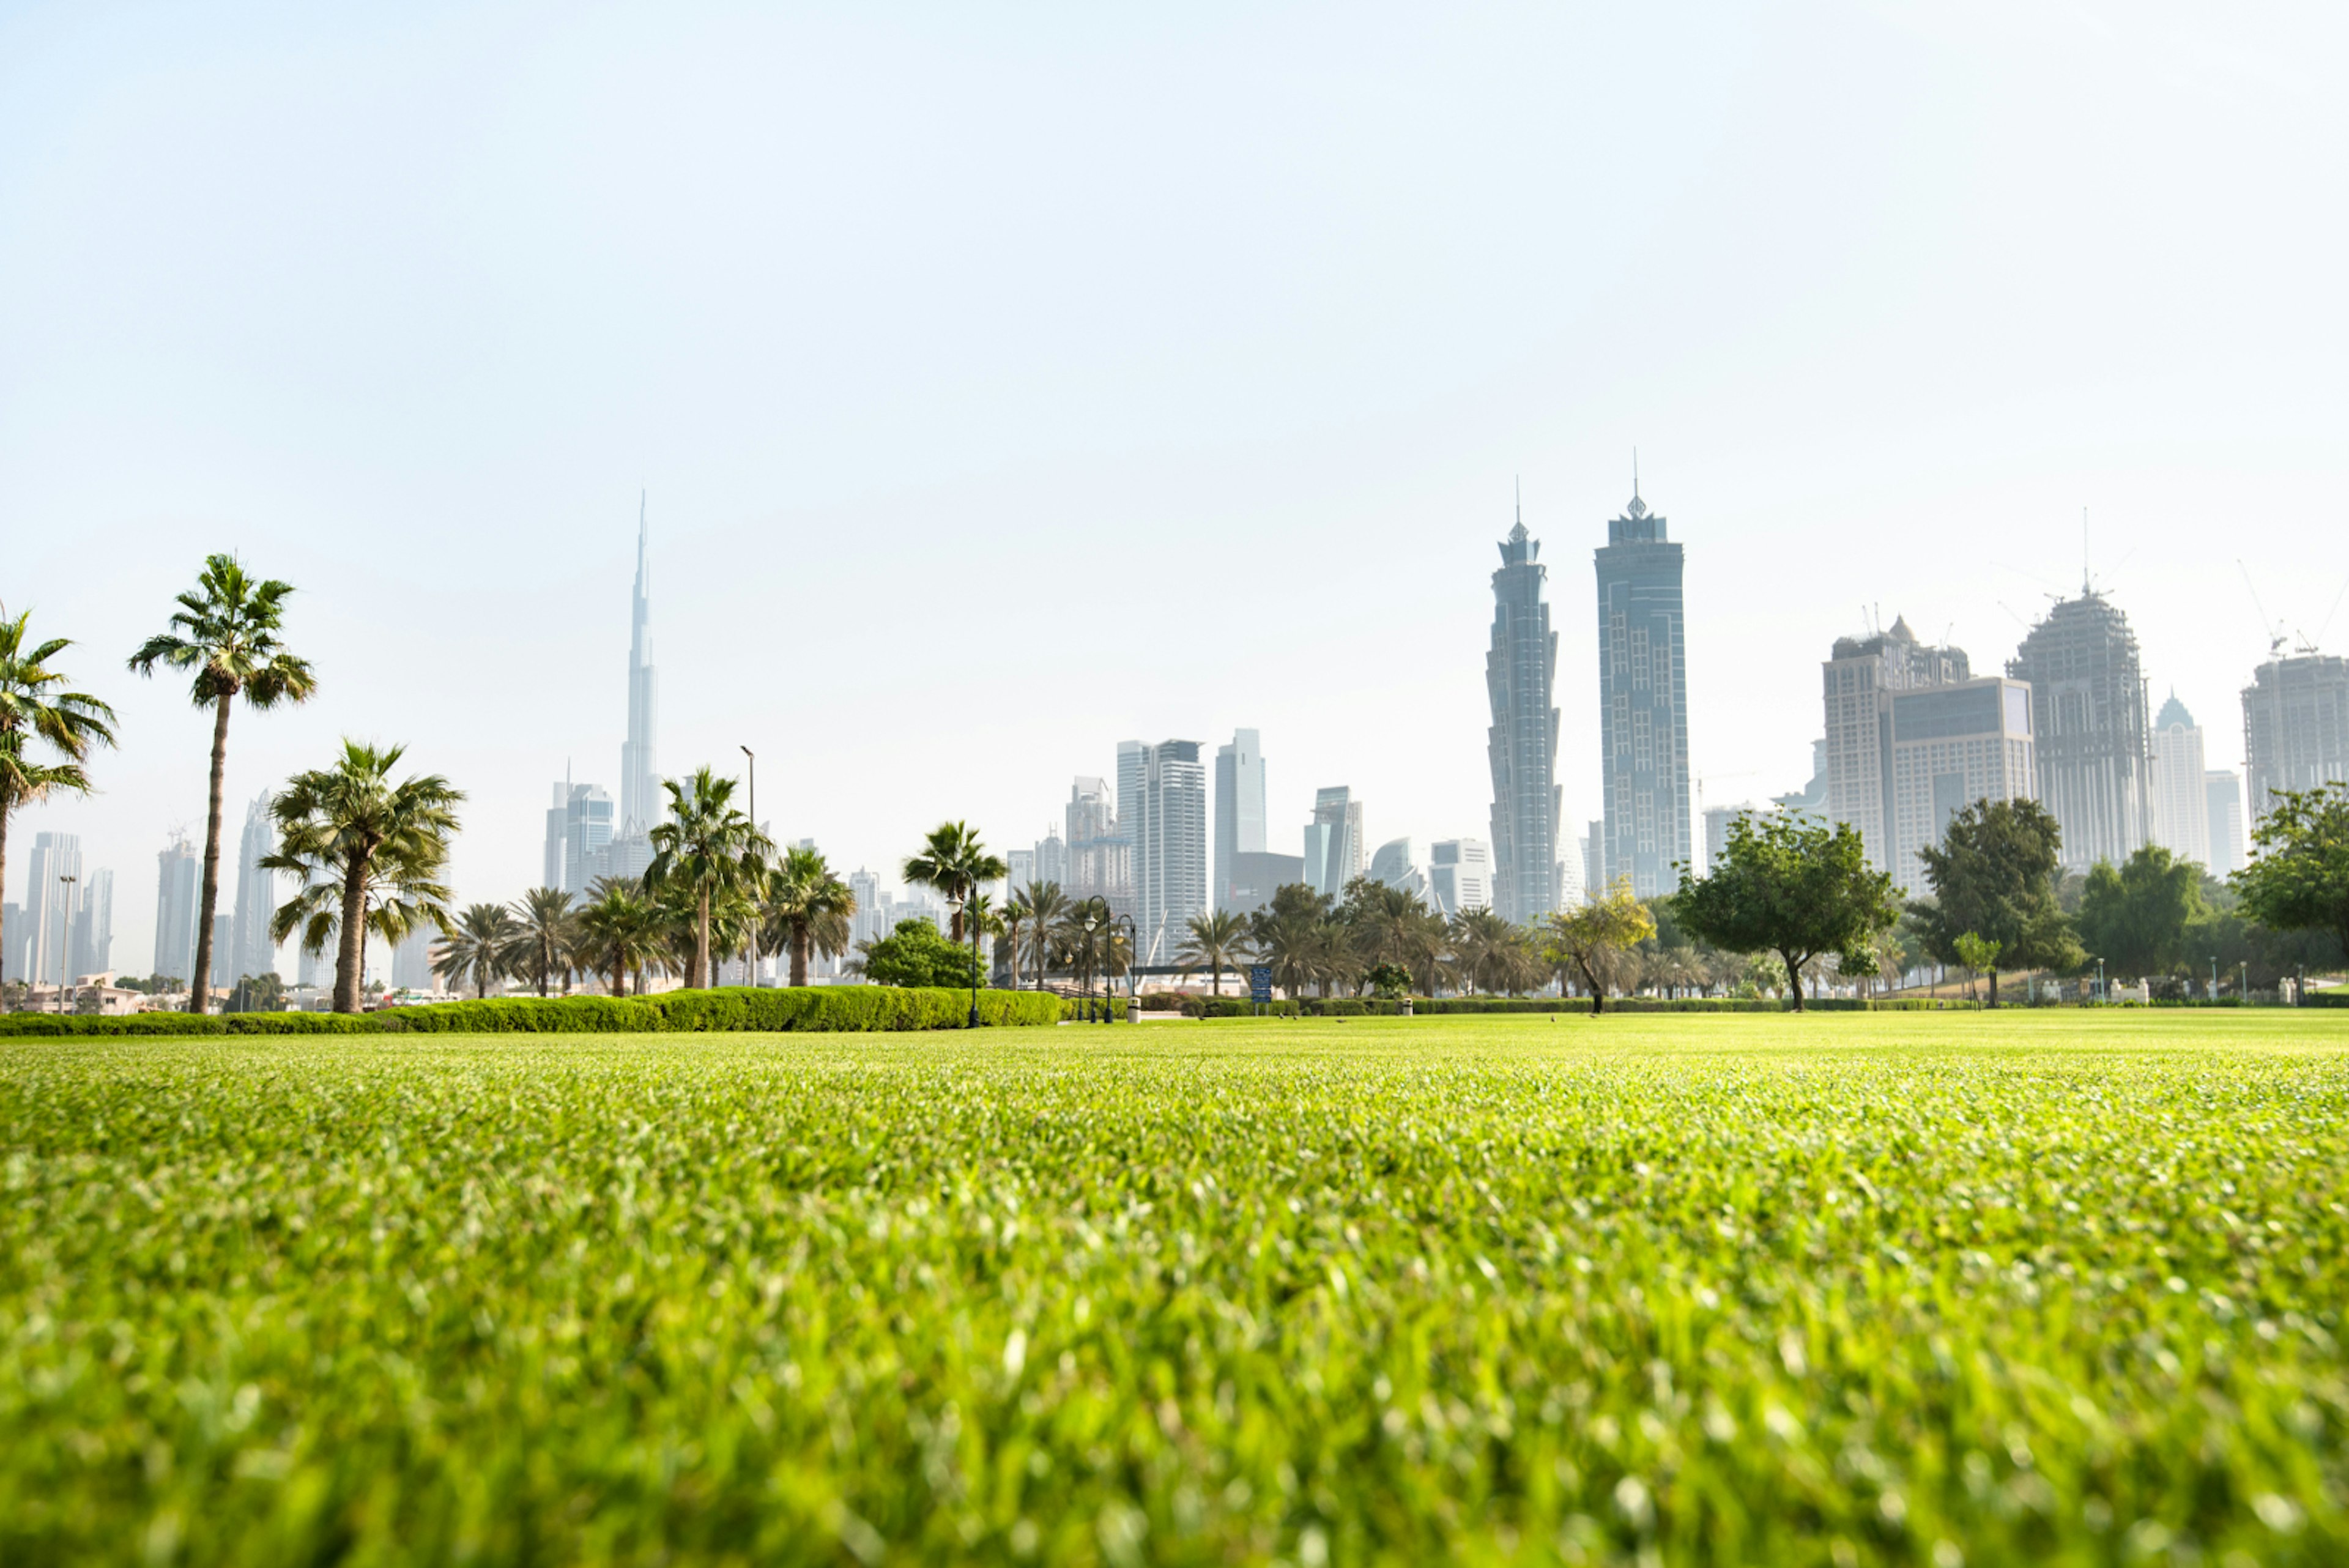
1914,1289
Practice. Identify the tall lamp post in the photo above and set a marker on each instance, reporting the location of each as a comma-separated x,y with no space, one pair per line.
65,946
1133,952
754,828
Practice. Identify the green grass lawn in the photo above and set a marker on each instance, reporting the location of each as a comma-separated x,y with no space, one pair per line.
1917,1288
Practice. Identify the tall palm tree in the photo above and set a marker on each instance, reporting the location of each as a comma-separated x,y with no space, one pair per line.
542,933
618,931
956,863
807,911
369,853
1042,906
706,849
1082,938
480,947
33,711
1218,940
225,630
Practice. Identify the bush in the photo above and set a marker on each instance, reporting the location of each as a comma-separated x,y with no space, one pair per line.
184,1023
916,954
527,1015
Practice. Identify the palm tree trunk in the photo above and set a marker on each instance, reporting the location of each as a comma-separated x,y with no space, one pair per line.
352,953
200,984
798,955
700,975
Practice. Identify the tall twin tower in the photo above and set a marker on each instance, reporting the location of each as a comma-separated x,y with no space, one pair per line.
1642,721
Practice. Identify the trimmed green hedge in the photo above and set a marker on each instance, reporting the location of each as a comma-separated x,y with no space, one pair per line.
729,1008
1425,1007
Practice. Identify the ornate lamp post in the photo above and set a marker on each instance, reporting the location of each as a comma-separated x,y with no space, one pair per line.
1132,952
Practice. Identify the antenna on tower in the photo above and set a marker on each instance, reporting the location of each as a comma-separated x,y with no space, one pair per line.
2084,589
1635,473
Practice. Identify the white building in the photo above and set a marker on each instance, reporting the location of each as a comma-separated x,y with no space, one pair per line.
179,870
2222,794
1392,865
1460,875
1239,811
51,902
251,950
2181,801
1165,819
1333,841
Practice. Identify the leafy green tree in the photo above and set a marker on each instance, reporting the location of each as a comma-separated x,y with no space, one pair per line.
705,850
2299,875
34,712
480,948
369,853
918,954
1389,981
956,863
1993,873
1217,941
807,911
2136,917
226,632
1592,939
542,937
1980,955
1793,886
256,993
619,931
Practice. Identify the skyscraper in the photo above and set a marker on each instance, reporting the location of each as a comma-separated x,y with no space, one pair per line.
641,805
558,810
1333,841
2296,725
1100,854
1392,866
1239,810
1521,746
1460,875
2088,722
251,950
1168,826
587,840
866,923
176,870
2181,801
1857,680
93,925
1642,704
2223,794
50,904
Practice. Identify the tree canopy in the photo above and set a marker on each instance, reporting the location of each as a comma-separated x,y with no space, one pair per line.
2136,917
2299,875
1794,888
1591,938
918,954
1994,874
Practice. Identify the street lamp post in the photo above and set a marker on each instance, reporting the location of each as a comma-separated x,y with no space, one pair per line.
65,946
1133,952
754,828
2214,977
2102,994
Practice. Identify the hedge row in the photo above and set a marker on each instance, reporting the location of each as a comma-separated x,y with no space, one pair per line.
729,1008
1424,1007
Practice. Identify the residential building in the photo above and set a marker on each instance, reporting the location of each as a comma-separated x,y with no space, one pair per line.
1521,745
179,872
2296,725
1333,841
1948,747
251,950
2222,794
1239,810
1859,678
93,925
51,901
2182,802
1165,820
1020,868
1642,704
1460,875
2089,728
1257,876
866,923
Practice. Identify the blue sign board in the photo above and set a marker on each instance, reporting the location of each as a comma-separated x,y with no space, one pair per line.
1260,983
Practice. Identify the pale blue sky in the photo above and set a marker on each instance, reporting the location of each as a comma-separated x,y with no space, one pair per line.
1009,382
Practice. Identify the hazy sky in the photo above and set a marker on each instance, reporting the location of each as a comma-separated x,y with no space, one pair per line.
1009,381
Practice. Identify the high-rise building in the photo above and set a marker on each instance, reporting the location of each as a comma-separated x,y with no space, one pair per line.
2181,803
1392,866
579,840
1595,884
178,873
1717,819
1949,747
2222,794
2088,725
1101,856
2296,725
1053,858
93,925
50,904
251,950
1166,823
223,950
1521,745
1239,810
1460,875
1642,702
1257,876
14,930
1333,841
1858,679
641,803
411,960
866,923
1019,868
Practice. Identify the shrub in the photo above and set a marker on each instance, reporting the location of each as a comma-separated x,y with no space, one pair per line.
185,1023
527,1015
916,954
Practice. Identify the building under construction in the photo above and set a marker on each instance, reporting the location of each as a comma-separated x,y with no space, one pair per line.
2090,728
2296,725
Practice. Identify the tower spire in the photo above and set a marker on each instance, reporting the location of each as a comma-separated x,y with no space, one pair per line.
1635,473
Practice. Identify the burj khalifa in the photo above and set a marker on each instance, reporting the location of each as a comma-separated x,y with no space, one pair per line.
640,790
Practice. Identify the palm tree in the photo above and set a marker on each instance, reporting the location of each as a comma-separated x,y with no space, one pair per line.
1218,940
225,630
618,931
69,722
1082,936
543,930
1042,906
481,947
369,853
955,862
706,849
807,911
